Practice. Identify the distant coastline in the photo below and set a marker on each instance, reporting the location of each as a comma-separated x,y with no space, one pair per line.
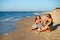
25,11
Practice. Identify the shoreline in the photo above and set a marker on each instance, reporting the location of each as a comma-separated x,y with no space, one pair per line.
7,33
22,34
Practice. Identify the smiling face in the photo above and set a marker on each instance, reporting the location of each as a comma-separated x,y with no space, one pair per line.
38,17
47,16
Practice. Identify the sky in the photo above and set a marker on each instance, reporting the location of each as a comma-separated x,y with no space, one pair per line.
28,5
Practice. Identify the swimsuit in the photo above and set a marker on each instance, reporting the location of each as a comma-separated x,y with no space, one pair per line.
37,25
50,25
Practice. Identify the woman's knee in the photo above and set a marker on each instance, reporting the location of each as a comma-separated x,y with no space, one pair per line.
45,27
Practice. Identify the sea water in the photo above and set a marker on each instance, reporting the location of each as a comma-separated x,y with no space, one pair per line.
8,20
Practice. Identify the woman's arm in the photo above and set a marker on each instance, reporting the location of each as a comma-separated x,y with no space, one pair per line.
42,21
49,22
35,22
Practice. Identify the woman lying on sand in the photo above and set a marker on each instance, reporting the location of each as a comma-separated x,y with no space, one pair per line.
48,23
37,23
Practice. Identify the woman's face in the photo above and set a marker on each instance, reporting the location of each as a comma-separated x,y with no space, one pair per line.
47,16
38,17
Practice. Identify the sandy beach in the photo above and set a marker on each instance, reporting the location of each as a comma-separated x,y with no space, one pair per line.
21,32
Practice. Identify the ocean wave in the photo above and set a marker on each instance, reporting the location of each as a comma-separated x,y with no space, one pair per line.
10,19
27,16
36,13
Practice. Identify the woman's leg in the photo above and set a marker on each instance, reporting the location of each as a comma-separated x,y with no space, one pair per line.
40,26
31,29
48,30
44,28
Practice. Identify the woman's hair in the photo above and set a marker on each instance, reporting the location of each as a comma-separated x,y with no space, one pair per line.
49,15
36,17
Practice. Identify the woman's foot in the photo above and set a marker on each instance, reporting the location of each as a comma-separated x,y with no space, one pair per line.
29,29
48,30
39,30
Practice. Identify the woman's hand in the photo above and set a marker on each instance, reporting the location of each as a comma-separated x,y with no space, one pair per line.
49,22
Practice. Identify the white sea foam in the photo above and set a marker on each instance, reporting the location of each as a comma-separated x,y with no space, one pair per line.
27,16
6,34
36,13
7,19
10,19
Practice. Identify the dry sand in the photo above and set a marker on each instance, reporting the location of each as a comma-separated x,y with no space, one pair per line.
21,32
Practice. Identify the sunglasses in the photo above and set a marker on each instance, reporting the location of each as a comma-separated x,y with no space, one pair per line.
47,16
